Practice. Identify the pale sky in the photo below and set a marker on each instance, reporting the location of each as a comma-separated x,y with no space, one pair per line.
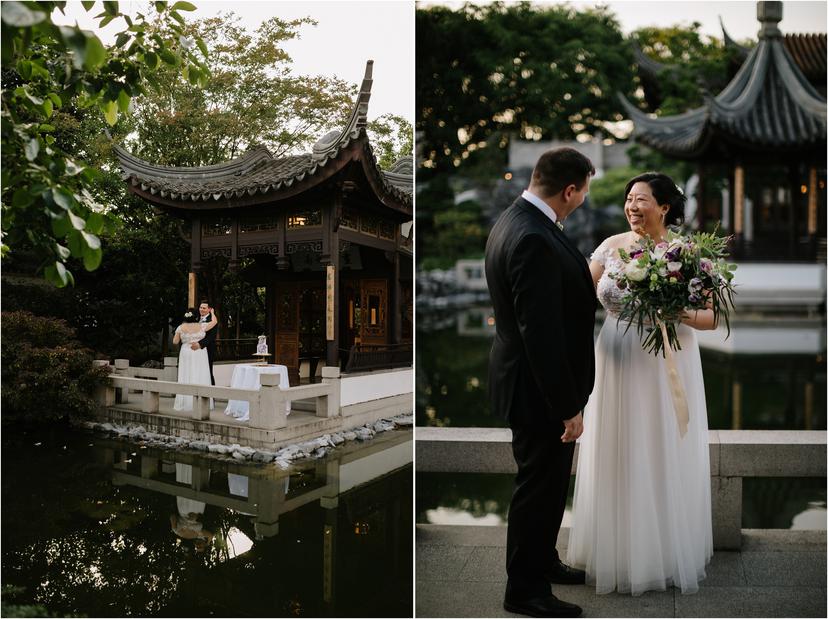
348,34
739,16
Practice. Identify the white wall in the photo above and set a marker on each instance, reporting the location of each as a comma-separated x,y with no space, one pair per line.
376,385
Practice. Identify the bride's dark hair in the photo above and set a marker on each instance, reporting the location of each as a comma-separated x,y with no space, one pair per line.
665,191
191,315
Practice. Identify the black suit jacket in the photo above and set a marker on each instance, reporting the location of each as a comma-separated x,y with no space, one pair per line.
209,340
542,361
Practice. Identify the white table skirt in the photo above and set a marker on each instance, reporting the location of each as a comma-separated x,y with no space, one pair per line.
246,376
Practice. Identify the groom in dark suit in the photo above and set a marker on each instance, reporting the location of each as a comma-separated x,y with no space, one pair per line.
541,369
209,340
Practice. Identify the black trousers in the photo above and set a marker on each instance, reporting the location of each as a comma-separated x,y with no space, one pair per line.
210,361
538,503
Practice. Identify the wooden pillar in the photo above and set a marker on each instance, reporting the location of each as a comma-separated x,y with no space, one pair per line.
330,258
395,302
234,245
738,200
812,202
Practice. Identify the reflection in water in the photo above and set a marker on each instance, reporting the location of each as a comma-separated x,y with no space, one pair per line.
769,374
101,528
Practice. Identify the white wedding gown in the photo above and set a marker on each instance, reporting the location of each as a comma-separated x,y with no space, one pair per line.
641,513
193,367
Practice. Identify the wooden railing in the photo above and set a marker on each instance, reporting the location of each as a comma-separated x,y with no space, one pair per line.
267,405
363,357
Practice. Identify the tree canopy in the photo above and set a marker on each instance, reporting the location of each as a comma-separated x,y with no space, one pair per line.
48,193
538,72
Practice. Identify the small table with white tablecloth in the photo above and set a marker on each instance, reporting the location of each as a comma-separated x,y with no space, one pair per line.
246,376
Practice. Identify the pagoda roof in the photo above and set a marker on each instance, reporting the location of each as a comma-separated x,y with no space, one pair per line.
768,106
257,177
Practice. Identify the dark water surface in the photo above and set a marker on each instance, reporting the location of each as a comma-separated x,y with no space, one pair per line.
99,527
769,375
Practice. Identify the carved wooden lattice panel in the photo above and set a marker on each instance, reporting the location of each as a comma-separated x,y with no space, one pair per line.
374,314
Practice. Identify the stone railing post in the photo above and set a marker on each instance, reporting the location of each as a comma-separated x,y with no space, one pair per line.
726,498
121,369
150,401
171,369
201,408
270,412
105,394
328,406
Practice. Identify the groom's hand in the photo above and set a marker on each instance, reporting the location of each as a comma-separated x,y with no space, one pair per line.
195,346
573,428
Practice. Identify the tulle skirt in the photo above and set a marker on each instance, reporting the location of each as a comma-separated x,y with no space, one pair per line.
641,511
193,369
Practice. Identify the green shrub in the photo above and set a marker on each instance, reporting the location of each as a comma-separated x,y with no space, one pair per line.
47,375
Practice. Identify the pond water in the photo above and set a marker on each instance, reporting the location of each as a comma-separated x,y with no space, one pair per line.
99,527
768,375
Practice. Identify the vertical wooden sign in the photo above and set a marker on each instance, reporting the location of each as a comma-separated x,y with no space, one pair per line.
329,302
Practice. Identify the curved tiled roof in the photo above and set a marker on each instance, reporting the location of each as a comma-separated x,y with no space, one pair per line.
258,173
769,105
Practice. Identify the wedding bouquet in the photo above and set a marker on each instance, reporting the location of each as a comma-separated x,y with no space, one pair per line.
664,279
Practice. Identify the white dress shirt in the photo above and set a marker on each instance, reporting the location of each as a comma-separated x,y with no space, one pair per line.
543,206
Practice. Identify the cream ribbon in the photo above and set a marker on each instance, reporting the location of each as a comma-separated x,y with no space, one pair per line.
676,388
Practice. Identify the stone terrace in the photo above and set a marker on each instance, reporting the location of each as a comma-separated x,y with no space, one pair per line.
460,572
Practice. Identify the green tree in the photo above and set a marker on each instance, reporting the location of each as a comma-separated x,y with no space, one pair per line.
47,191
515,69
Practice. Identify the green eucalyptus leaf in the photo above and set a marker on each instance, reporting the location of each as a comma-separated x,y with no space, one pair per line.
160,6
123,101
202,46
32,148
92,241
95,223
110,110
18,15
54,276
77,222
75,40
63,198
75,243
55,99
92,258
61,225
62,252
22,198
121,39
183,6
105,21
88,4
95,53
152,60
111,7
177,17
48,108
169,57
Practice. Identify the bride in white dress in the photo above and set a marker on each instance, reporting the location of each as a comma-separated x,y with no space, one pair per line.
193,365
641,512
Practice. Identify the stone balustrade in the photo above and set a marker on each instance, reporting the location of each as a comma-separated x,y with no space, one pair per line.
267,405
734,455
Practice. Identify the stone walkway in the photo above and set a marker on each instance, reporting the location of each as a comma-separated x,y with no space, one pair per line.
778,573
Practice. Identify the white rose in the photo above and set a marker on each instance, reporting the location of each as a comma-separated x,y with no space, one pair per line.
673,266
634,272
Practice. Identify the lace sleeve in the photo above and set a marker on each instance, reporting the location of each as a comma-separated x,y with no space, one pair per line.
601,254
178,329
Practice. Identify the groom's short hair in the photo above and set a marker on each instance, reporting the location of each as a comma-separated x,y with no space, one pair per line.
559,168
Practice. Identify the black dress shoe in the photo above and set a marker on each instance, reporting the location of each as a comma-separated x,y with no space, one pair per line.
548,606
561,574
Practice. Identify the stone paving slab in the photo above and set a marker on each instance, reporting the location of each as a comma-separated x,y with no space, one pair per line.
753,602
461,573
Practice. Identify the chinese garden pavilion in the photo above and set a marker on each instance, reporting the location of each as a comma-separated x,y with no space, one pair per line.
771,120
320,231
